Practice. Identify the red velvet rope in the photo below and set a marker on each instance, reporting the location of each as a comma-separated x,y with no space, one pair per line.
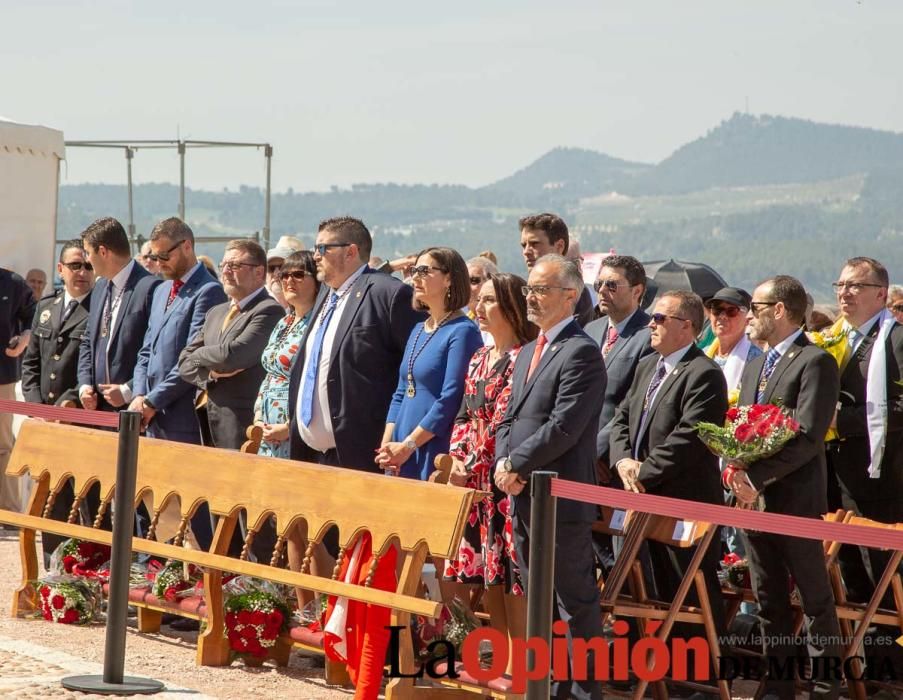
774,523
106,419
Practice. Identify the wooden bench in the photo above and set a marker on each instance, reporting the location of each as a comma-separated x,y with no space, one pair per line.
421,519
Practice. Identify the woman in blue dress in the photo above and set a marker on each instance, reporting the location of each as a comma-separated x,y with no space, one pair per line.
299,286
433,368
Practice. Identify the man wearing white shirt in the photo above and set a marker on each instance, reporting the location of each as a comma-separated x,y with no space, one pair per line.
731,349
557,390
347,369
119,317
869,396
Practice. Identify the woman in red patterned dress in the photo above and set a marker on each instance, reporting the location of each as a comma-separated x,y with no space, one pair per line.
486,556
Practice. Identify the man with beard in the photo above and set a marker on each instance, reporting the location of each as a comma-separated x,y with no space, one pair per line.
803,379
557,389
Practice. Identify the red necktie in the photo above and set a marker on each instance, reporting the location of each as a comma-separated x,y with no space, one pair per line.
612,339
174,292
537,355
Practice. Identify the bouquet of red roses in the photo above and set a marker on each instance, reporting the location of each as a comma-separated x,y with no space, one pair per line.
68,599
175,580
749,433
257,612
79,558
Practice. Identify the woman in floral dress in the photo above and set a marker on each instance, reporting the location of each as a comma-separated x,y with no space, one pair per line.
486,556
300,286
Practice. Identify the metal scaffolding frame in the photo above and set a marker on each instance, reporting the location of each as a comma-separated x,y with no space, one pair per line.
130,146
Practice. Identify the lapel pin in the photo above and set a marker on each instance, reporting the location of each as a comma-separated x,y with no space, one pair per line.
357,296
791,354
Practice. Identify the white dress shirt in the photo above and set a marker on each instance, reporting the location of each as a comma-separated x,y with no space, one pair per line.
319,434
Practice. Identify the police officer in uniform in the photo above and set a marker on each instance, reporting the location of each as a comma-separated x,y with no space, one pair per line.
50,364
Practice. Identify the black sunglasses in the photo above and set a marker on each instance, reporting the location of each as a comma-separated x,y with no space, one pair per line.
296,275
728,310
897,308
154,257
321,248
424,270
756,306
659,319
610,285
79,266
273,268
476,280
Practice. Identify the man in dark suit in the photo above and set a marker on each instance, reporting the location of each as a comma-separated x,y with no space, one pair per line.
545,234
557,389
50,365
623,337
347,367
179,308
654,444
223,360
118,319
868,465
803,379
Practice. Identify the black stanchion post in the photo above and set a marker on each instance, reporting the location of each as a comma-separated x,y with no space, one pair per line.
113,681
541,575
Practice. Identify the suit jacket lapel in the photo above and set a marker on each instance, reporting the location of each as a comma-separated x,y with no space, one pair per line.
786,360
752,372
124,302
77,316
355,296
520,373
97,315
667,386
643,378
633,325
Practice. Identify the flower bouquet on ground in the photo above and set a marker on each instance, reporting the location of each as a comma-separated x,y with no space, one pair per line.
257,613
734,572
453,625
79,558
175,580
67,599
749,433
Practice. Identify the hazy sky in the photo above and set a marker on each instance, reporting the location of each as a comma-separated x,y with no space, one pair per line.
410,92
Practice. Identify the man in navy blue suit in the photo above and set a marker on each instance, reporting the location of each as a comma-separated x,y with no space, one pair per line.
557,390
180,305
357,336
120,310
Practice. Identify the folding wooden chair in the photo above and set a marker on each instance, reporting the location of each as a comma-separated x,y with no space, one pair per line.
676,533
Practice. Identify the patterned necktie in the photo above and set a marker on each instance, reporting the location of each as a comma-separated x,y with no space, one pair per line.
70,307
853,336
234,310
174,292
537,355
107,319
660,372
309,386
771,359
612,339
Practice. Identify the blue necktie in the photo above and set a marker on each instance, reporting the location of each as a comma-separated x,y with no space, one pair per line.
771,359
310,376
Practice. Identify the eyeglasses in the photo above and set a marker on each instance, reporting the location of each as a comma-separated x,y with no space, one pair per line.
476,280
610,285
321,248
296,275
154,257
424,270
273,268
757,306
659,319
896,308
79,266
729,310
539,290
234,266
853,287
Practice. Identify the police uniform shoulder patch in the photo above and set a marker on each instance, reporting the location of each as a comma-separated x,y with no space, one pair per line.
45,316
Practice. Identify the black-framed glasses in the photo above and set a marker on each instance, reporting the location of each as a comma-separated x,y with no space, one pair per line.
229,265
611,285
659,319
476,280
896,308
424,270
79,266
296,275
321,248
853,287
154,257
757,306
539,290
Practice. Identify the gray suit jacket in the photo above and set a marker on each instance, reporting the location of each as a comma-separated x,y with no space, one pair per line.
620,365
230,400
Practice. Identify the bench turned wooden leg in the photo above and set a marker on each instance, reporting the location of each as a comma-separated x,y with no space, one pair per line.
149,620
213,646
24,597
337,673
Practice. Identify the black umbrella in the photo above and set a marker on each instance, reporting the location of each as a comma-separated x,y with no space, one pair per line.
665,275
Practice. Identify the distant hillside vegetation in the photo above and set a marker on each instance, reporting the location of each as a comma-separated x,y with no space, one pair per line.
766,150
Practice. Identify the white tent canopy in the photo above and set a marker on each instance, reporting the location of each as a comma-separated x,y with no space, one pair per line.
29,180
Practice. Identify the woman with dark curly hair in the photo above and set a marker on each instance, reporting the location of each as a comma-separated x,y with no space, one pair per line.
486,556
